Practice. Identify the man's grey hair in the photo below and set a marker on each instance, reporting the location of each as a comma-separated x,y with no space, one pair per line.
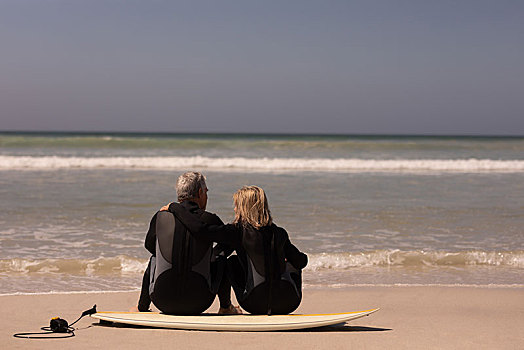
188,184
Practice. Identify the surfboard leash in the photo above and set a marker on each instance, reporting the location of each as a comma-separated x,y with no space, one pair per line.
56,325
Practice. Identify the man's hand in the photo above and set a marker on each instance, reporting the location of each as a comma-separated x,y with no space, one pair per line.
165,207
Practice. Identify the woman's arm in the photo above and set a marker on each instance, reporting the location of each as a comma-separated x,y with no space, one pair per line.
293,255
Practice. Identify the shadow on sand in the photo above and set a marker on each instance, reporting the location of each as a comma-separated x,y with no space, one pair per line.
342,327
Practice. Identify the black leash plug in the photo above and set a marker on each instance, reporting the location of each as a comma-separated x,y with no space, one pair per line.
59,325
56,325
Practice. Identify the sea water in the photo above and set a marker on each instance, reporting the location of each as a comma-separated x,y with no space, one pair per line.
368,210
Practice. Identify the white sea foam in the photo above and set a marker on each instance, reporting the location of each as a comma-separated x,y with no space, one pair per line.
386,258
118,264
317,262
72,292
410,285
263,164
304,285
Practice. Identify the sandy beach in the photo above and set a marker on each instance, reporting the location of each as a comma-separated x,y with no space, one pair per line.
410,317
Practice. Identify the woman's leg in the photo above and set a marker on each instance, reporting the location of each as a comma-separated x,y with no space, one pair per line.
236,276
220,282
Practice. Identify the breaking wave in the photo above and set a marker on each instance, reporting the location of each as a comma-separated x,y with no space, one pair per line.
386,258
118,264
317,262
263,164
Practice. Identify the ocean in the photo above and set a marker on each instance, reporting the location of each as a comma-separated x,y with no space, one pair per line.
368,210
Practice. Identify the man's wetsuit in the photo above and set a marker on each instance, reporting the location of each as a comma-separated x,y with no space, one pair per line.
265,274
185,272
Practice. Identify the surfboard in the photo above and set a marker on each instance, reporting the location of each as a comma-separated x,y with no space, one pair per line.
240,323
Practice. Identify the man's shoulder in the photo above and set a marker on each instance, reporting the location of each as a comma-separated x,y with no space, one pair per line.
211,218
205,216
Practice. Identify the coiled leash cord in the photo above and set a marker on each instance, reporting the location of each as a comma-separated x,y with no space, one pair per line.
56,325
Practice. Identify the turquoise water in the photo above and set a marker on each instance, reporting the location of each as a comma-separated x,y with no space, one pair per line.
74,208
249,145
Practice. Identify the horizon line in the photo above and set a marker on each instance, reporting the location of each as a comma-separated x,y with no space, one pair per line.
203,133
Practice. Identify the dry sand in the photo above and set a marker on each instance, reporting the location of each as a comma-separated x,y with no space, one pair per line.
410,318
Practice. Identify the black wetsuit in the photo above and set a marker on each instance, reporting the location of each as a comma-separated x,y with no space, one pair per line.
266,272
185,272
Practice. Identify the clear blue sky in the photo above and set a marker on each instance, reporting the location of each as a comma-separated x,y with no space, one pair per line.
409,67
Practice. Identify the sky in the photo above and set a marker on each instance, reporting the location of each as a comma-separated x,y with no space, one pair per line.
286,66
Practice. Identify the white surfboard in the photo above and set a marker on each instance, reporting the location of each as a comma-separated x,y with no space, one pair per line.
241,323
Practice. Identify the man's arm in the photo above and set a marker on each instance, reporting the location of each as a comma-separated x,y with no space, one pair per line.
220,248
145,300
150,242
217,233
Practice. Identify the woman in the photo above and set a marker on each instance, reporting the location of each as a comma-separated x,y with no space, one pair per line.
266,272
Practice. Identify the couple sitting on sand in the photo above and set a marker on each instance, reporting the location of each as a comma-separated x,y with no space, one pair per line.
186,272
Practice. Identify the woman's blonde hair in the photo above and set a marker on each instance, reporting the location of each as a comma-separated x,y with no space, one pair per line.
251,207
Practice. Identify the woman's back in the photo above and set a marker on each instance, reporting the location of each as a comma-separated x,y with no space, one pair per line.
266,274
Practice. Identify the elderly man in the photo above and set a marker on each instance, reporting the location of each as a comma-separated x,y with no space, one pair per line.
185,272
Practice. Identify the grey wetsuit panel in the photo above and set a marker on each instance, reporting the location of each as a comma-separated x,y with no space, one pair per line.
165,226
